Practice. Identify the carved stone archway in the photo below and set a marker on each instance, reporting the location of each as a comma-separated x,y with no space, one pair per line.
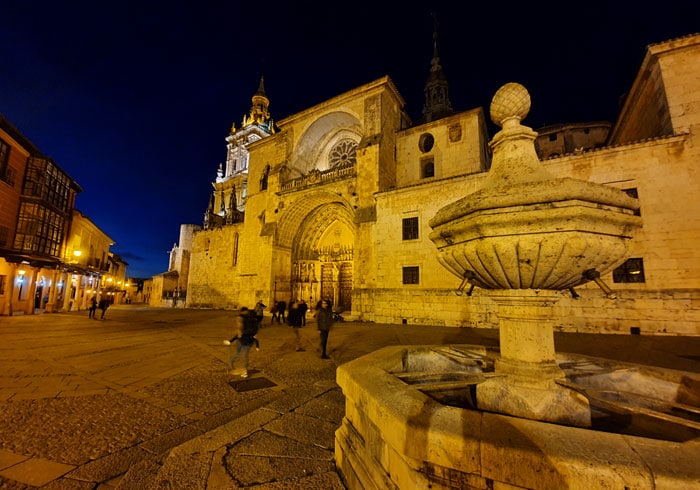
322,256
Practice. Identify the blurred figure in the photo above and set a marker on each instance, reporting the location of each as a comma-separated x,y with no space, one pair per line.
324,319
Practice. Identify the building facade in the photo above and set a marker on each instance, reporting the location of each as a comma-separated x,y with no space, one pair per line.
52,257
334,202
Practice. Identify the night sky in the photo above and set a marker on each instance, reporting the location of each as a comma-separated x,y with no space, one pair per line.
135,99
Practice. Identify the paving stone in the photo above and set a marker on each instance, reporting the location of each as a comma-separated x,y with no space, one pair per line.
36,471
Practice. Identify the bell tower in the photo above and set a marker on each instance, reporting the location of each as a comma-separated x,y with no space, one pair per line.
227,202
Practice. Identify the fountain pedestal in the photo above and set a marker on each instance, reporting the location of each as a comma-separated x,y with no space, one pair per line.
525,385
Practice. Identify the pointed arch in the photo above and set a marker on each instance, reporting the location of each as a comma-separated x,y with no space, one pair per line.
319,232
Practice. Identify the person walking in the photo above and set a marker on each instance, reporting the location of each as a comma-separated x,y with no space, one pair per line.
280,307
259,312
294,320
304,308
324,321
244,337
93,307
104,304
275,313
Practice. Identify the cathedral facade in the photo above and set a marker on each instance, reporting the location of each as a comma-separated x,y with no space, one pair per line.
335,201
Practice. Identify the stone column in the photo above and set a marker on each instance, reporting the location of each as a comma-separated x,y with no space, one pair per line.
526,334
526,371
53,289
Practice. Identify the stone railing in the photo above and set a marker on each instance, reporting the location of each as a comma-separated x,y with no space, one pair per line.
318,177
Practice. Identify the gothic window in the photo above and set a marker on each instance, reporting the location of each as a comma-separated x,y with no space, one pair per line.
343,153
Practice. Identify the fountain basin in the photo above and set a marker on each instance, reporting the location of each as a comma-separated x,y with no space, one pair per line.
541,245
397,434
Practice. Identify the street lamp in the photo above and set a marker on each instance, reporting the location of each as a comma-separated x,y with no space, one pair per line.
20,280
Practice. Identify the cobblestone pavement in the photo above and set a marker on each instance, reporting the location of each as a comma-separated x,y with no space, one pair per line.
145,399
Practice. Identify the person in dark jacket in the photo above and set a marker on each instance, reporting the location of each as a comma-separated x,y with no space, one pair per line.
104,304
294,320
93,307
324,320
304,308
281,307
244,336
260,312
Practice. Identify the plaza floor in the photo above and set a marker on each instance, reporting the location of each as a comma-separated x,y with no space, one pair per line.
145,399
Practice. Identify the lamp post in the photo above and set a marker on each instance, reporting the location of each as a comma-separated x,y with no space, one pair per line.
20,280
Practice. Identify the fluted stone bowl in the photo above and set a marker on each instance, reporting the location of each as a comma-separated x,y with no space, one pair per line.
535,235
526,229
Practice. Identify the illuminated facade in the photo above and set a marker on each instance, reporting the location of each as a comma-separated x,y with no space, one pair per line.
334,202
51,255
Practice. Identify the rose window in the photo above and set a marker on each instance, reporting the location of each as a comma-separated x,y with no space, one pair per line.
343,153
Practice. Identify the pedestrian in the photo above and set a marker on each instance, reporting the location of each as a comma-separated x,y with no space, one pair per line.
324,321
304,308
104,304
281,307
275,313
244,338
294,320
259,312
93,307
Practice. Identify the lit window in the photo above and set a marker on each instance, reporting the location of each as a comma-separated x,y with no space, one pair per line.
631,271
410,228
410,275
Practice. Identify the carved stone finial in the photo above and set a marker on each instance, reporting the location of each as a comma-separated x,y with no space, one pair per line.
510,105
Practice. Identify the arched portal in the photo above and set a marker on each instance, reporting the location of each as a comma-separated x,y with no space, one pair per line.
322,256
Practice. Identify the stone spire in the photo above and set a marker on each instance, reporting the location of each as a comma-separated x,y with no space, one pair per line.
437,97
259,114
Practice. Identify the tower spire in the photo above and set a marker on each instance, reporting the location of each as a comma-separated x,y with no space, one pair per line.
259,115
437,96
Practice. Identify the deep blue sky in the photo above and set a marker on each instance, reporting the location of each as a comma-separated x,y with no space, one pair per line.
134,99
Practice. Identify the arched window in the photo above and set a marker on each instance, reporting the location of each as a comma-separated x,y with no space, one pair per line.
343,153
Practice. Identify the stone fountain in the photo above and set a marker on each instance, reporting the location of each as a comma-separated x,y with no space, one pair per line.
524,235
522,416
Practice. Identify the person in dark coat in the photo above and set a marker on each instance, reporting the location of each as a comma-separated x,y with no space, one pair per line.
281,308
104,304
294,320
324,320
304,308
93,307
